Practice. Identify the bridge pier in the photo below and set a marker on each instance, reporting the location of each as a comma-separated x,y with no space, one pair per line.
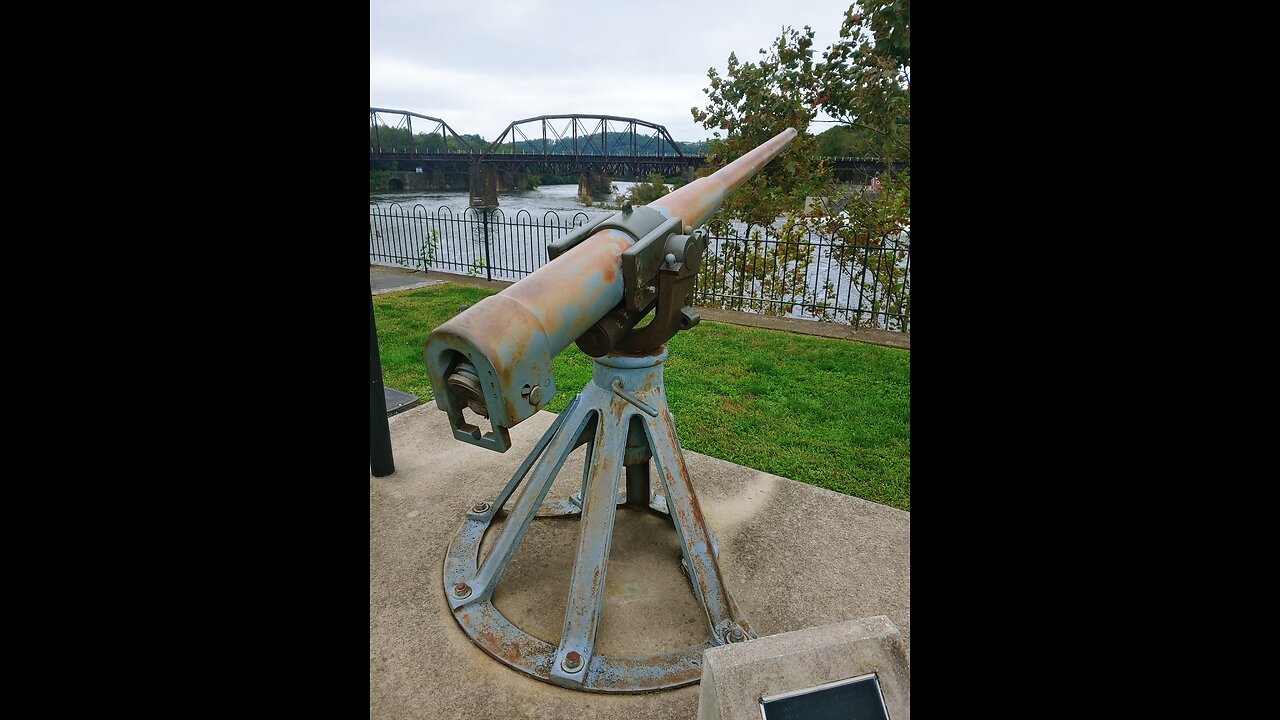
484,186
591,184
512,180
403,180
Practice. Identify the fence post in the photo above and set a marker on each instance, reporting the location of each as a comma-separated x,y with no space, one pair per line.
875,283
488,257
380,461
862,278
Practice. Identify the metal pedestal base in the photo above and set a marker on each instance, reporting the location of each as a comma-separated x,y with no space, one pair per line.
622,418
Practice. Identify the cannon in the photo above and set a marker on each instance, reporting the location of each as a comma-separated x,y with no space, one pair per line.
493,361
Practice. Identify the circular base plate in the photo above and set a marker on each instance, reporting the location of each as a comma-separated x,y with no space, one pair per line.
512,646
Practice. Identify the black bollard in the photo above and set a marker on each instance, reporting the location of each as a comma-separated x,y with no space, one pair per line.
380,461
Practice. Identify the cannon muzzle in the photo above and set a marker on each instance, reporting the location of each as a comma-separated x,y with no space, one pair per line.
603,279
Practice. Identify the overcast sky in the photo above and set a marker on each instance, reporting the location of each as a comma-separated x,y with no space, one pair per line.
478,66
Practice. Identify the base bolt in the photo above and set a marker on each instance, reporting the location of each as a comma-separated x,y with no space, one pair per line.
461,590
572,661
480,507
735,636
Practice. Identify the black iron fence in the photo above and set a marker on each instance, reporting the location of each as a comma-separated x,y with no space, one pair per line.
475,242
846,276
843,276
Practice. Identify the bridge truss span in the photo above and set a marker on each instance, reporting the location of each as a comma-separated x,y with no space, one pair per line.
398,143
608,145
584,136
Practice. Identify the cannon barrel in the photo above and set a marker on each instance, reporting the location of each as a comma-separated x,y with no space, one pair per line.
694,203
495,357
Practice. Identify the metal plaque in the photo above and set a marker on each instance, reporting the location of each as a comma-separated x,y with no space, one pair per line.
857,698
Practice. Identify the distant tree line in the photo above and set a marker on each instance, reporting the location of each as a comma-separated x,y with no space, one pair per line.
852,141
838,141
390,138
397,138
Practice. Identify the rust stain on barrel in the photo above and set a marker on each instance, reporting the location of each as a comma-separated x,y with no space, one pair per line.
556,291
564,299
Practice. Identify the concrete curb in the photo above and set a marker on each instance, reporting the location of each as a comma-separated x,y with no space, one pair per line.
411,286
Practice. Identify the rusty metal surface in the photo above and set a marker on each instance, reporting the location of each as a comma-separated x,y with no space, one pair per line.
498,354
510,338
595,535
641,261
545,471
602,337
498,337
723,615
671,315
569,295
518,476
607,418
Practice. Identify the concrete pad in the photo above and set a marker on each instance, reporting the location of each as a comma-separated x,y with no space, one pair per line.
735,677
793,556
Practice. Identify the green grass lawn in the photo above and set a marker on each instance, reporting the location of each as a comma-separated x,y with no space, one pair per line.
827,412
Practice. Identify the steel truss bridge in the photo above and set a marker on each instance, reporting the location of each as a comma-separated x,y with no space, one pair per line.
552,145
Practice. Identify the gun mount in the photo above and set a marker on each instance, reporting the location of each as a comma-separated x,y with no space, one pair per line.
494,359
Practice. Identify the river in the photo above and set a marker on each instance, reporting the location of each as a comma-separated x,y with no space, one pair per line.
563,199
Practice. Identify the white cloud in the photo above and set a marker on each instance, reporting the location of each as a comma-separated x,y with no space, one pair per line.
482,67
